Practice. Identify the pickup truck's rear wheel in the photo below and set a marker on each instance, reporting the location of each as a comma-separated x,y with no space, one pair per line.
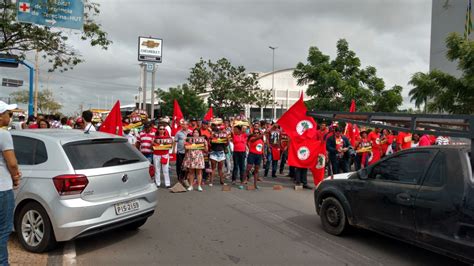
333,216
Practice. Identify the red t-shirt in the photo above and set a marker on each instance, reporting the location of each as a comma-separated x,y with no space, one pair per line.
374,139
33,126
404,139
256,147
387,143
240,142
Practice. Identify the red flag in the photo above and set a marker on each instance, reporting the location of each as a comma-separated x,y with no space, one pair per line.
113,121
352,131
296,123
209,115
177,118
303,152
318,169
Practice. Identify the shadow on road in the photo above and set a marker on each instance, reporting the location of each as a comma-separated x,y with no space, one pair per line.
103,240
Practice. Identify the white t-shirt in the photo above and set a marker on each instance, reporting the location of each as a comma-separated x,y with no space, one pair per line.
6,144
89,128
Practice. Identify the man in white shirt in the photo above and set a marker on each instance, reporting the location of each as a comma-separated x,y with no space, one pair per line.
88,126
9,179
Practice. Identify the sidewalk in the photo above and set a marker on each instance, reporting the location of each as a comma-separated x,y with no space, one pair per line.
19,256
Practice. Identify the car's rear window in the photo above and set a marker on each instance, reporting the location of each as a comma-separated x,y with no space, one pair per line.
101,153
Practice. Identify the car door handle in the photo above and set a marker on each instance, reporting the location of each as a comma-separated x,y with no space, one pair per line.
403,197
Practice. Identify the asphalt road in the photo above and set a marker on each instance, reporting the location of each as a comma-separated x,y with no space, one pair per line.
243,227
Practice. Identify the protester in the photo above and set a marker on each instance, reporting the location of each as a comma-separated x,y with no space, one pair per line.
145,141
425,140
387,142
9,179
43,124
239,139
64,124
415,140
284,150
254,159
180,151
130,137
374,138
442,140
219,143
403,141
21,124
301,177
79,123
363,150
194,159
55,121
274,148
338,146
161,158
88,126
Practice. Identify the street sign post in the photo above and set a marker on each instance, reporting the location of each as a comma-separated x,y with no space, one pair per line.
150,49
61,14
32,73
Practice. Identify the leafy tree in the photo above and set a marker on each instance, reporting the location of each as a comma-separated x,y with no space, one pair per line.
332,84
262,99
189,101
20,38
442,92
46,102
229,87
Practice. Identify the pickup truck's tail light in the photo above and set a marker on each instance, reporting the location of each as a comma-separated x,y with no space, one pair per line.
151,171
70,184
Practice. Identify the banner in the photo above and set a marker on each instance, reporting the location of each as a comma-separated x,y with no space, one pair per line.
296,123
113,121
177,118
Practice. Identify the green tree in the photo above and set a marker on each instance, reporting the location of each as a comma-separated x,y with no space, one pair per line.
332,84
20,38
229,87
47,104
442,92
262,99
189,101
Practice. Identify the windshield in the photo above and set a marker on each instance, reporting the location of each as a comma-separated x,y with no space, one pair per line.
88,155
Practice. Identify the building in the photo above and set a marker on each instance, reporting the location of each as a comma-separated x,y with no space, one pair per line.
287,92
446,16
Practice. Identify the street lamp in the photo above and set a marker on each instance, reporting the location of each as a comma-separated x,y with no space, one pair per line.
273,81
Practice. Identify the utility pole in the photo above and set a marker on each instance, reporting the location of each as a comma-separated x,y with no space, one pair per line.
273,81
36,84
143,84
153,74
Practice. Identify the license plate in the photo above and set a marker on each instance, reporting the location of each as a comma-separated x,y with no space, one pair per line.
125,207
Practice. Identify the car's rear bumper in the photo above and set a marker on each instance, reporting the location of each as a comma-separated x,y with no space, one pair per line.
78,218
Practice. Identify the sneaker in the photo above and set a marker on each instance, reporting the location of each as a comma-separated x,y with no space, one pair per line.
241,187
210,184
190,188
168,187
274,176
233,183
257,187
199,188
307,187
186,183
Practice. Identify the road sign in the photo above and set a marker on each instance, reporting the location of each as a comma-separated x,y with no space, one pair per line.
12,82
8,60
149,49
59,13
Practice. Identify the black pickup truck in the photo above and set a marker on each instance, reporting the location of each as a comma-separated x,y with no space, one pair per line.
423,196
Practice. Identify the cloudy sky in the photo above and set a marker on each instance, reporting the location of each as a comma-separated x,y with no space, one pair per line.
393,36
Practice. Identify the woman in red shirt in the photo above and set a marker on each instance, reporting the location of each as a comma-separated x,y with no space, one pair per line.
386,141
161,147
239,139
255,157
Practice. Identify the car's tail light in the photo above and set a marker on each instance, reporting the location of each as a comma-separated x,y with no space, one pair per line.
70,184
152,170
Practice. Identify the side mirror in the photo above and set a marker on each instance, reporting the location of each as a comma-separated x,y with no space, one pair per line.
364,174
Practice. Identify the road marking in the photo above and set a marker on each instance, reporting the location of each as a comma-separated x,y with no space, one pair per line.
264,211
69,255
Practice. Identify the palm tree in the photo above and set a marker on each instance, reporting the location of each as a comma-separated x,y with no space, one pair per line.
425,87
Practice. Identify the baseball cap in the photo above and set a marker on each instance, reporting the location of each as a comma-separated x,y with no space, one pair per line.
6,107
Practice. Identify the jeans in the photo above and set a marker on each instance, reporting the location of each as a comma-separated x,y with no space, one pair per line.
239,165
7,203
179,167
301,175
149,157
339,165
284,157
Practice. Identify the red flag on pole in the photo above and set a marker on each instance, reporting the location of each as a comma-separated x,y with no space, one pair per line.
209,115
113,121
296,123
177,118
352,131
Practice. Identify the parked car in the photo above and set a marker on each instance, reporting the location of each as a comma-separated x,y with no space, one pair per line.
76,184
424,196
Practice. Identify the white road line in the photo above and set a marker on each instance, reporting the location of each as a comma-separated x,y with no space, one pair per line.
69,254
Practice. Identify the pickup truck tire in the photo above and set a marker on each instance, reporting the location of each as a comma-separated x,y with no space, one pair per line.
333,216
